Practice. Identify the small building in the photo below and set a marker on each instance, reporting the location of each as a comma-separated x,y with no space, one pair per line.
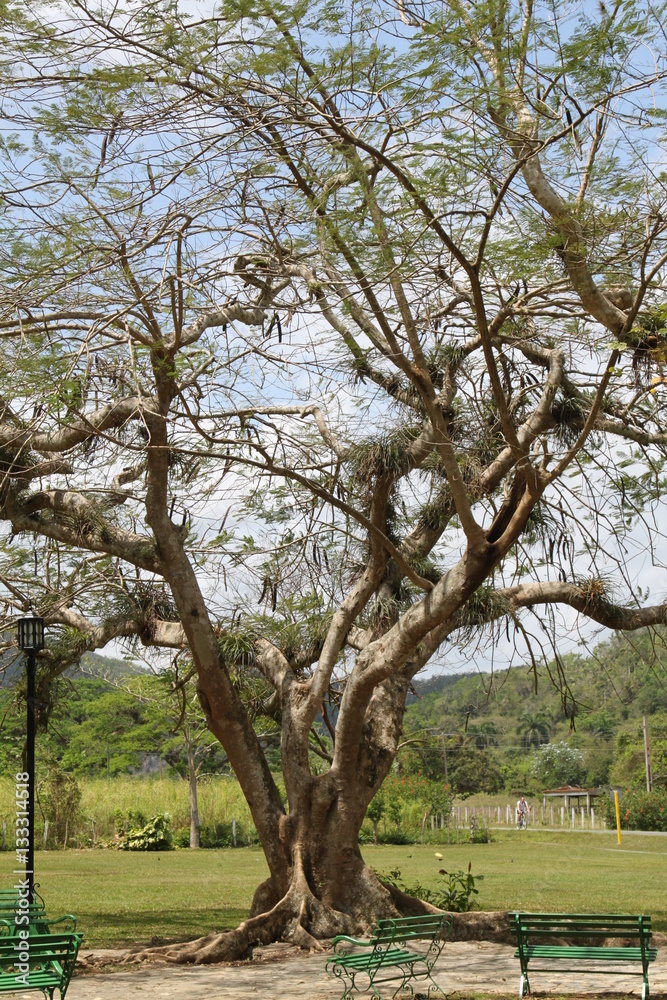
569,792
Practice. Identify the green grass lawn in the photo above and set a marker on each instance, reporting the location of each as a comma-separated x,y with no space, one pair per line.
121,898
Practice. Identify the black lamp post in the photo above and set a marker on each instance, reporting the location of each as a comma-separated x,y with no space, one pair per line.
31,640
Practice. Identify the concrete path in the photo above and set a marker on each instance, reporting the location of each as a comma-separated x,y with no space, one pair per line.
282,973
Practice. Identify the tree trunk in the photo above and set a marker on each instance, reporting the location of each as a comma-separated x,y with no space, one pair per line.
194,810
330,891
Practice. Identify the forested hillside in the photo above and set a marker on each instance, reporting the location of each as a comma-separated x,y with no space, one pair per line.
579,720
107,716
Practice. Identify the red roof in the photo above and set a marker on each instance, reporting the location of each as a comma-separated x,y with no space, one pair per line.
571,790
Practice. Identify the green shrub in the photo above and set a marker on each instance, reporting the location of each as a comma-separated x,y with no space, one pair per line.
181,838
125,821
453,892
219,835
154,836
398,837
457,892
639,810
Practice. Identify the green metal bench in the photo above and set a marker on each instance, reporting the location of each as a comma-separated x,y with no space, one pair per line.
37,919
9,899
43,962
540,936
10,908
388,956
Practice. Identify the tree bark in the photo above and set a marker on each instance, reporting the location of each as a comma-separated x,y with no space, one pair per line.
331,890
194,810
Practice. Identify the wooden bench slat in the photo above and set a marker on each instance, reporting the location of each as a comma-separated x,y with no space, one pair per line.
528,915
565,932
38,923
580,928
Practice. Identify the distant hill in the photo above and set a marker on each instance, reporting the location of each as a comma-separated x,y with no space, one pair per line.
105,667
90,665
622,679
433,685
493,725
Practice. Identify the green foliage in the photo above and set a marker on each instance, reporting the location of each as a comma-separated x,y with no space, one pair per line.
375,812
218,835
376,808
557,764
155,835
124,821
628,764
377,456
237,646
402,807
473,770
89,714
452,891
534,729
639,810
457,893
500,721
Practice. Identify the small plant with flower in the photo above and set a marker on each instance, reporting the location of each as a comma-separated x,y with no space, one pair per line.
454,891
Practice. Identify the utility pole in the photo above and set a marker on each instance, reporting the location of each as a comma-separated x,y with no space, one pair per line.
444,758
647,755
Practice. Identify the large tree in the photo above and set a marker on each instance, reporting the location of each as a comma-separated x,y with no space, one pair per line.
357,311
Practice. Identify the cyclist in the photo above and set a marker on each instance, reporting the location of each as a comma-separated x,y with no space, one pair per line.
522,811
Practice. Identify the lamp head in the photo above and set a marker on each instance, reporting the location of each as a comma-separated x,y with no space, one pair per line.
31,632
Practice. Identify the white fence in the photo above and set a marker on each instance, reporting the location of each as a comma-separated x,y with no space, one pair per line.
557,817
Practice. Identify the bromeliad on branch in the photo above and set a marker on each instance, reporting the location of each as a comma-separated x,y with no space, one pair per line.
346,342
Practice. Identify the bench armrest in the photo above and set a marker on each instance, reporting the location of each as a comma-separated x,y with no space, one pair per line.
70,922
344,939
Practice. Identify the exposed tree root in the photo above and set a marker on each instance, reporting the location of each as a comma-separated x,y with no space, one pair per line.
409,906
299,918
225,946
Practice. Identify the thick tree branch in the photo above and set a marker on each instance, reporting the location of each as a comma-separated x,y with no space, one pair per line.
588,598
84,427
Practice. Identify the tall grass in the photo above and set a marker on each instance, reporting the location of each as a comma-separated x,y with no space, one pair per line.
220,801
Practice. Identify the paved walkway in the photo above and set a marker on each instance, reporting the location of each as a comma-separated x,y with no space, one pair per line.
283,973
